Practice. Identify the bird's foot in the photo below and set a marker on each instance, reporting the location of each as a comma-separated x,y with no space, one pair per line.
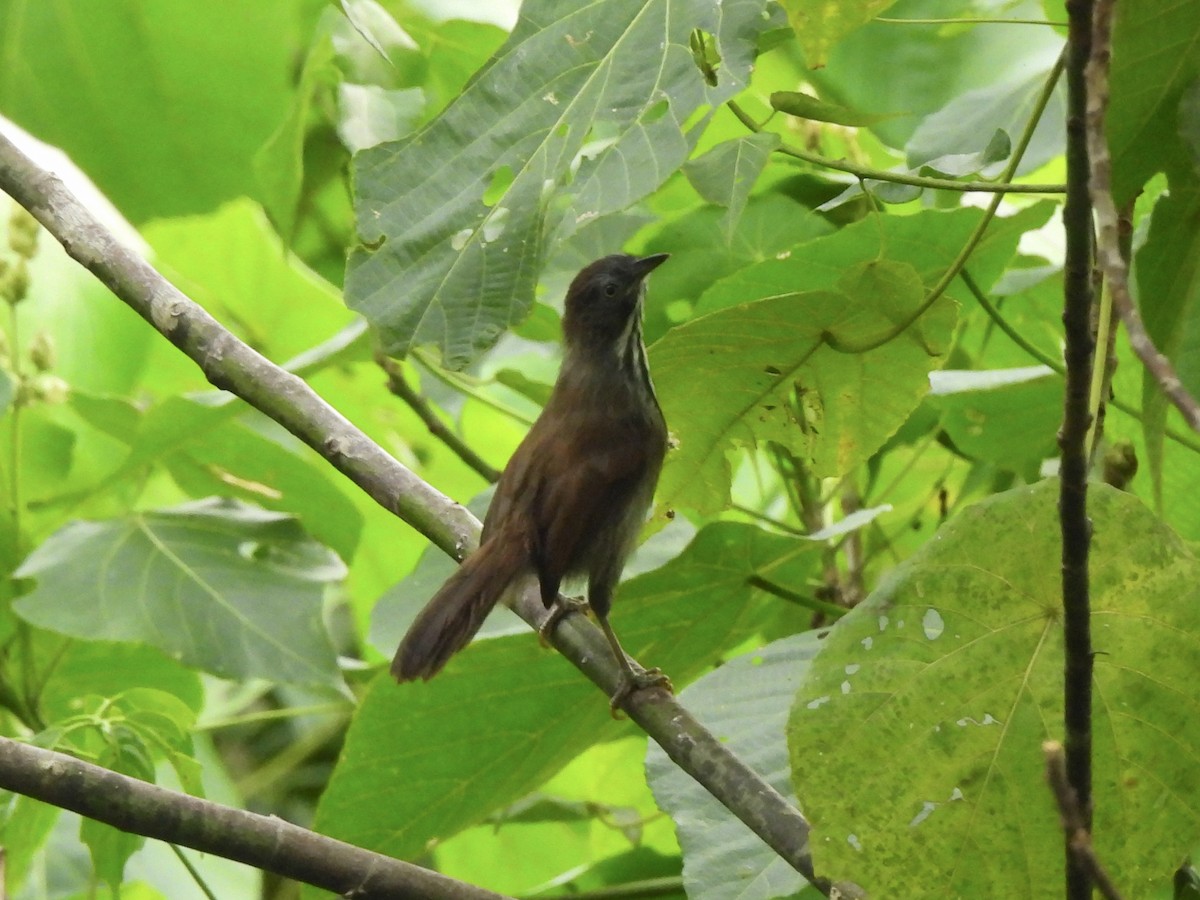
638,679
562,607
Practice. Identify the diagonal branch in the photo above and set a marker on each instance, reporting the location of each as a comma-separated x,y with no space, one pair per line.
231,365
265,842
1108,239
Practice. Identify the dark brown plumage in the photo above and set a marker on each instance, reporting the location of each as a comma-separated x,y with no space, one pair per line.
575,493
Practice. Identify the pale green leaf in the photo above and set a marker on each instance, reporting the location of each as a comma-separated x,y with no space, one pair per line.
221,586
745,704
975,132
578,115
725,175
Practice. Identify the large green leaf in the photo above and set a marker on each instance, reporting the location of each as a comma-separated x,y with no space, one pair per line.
578,115
935,695
908,71
725,380
412,770
1154,61
956,139
745,703
765,371
221,586
163,104
820,24
209,453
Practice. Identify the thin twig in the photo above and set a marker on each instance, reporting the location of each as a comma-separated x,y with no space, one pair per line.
1079,840
231,365
400,387
1004,185
1072,499
1108,244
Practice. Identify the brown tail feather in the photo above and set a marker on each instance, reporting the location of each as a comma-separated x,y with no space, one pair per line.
451,618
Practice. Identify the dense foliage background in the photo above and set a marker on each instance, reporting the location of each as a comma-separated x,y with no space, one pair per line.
859,359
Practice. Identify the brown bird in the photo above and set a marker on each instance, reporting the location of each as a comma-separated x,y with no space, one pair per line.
575,493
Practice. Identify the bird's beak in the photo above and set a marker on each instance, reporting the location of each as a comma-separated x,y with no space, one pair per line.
648,264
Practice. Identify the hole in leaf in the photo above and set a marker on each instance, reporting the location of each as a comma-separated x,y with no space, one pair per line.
502,180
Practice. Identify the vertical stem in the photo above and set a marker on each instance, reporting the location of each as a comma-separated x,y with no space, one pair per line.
1072,504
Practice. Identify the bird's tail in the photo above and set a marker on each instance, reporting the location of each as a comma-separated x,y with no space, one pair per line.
451,618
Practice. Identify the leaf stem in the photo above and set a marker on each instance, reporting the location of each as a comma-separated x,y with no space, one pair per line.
1003,186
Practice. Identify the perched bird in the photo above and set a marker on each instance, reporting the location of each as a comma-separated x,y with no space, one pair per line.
575,493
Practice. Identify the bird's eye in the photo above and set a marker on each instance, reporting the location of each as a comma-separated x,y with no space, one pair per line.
610,289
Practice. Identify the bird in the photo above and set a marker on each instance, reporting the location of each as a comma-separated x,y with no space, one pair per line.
575,493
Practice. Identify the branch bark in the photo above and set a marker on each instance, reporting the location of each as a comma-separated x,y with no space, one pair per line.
1108,220
265,842
231,365
1076,528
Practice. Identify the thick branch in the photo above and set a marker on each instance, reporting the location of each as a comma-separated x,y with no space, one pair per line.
1108,222
265,842
231,365
1072,502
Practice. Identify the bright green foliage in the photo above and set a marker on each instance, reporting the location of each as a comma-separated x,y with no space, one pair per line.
980,610
849,421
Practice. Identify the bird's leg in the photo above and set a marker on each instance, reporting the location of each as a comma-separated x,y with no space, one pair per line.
632,679
561,607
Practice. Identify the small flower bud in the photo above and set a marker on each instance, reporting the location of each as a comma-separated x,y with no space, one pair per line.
51,389
22,233
15,285
41,351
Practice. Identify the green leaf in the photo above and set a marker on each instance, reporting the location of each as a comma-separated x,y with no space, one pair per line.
1153,63
701,255
745,704
25,826
725,175
230,263
221,586
279,163
110,669
974,132
413,749
1010,424
765,370
163,106
1168,280
578,115
935,694
208,453
806,106
821,24
907,72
